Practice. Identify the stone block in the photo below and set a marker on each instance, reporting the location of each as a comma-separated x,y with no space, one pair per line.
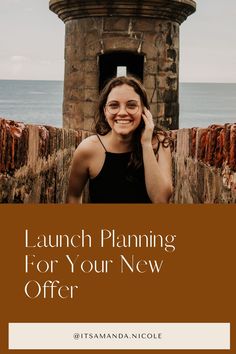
172,54
89,124
91,66
143,24
150,67
114,24
150,50
172,82
89,108
93,48
73,78
170,96
90,95
121,43
161,79
160,94
150,81
153,108
160,110
91,81
151,93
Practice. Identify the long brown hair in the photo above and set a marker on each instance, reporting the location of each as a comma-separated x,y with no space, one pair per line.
101,125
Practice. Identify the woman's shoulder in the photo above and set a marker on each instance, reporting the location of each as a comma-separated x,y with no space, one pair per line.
90,142
87,147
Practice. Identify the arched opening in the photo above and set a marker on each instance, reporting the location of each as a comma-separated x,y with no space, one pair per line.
120,63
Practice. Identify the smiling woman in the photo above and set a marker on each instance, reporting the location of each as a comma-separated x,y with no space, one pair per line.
127,161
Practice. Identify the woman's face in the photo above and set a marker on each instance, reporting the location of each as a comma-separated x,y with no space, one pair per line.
123,110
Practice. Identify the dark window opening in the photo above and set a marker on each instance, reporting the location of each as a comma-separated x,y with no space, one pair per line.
120,64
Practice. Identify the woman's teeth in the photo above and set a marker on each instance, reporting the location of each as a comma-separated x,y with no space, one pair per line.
120,121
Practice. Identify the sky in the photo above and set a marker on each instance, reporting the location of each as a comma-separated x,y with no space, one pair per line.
32,42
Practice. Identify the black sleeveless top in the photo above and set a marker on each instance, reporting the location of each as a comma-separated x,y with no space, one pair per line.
117,182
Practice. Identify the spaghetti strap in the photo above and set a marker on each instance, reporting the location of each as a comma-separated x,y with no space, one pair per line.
101,142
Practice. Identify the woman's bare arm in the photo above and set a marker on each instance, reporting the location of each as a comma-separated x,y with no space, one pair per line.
79,174
158,173
157,167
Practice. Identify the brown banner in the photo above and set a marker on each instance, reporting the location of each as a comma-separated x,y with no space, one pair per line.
117,263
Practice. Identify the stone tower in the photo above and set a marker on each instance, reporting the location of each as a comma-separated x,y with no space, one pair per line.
139,37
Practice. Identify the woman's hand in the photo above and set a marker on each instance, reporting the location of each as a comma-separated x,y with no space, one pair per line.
146,136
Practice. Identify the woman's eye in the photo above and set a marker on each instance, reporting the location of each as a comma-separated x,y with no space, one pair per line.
113,105
132,105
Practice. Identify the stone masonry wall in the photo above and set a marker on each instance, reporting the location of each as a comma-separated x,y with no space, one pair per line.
204,164
35,161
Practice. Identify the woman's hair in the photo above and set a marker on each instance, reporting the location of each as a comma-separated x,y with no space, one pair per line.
101,125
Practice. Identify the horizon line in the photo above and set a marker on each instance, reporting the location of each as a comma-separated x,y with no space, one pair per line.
181,82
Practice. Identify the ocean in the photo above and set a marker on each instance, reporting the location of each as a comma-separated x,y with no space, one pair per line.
203,104
32,102
40,102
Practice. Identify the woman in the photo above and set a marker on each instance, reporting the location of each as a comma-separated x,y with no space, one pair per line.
127,161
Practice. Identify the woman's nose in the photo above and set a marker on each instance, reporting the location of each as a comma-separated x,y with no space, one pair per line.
122,110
